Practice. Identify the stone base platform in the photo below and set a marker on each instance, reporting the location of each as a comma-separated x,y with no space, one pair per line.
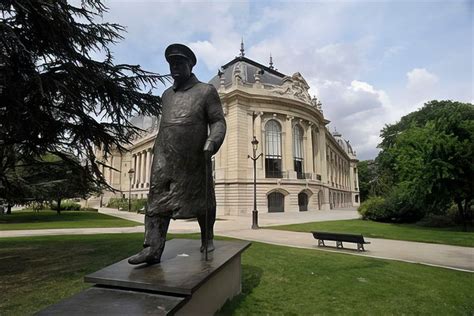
182,284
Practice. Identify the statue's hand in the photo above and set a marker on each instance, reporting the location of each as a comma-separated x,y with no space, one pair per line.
209,147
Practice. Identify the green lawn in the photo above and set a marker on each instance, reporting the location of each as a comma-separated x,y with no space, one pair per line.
46,219
40,271
410,232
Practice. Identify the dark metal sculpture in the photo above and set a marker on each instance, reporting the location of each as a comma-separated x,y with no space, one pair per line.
192,129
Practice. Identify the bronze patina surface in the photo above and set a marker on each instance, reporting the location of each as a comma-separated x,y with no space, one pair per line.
192,129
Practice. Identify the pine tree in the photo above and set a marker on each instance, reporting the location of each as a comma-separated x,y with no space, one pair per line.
56,96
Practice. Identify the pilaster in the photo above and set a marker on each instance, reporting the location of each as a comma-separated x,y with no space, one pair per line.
288,155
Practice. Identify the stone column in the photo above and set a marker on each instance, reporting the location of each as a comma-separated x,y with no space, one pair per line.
111,175
105,171
317,157
324,163
309,165
148,166
142,169
288,154
258,133
324,168
139,168
134,164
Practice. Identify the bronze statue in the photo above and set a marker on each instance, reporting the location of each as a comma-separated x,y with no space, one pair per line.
192,129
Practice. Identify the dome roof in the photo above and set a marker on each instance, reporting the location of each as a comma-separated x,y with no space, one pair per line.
248,71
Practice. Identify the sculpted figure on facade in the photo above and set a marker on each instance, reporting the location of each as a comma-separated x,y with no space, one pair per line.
294,86
191,130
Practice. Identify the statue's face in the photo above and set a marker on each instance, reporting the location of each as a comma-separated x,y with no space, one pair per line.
180,68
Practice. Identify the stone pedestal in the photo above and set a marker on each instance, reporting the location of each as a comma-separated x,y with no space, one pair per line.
182,284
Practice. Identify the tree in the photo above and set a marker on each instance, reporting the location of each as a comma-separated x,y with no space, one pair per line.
55,96
430,153
366,177
49,178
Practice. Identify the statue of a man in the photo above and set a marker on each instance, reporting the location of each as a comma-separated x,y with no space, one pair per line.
192,129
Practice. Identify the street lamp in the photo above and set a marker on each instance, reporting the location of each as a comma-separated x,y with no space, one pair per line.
130,176
254,143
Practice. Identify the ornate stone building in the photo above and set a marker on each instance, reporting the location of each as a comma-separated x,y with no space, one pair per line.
303,166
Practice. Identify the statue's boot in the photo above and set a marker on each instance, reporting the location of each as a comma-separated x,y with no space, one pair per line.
210,232
147,255
156,228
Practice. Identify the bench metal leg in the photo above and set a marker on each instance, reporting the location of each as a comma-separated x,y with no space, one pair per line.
321,243
360,247
339,244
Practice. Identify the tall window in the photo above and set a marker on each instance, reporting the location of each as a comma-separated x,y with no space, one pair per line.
298,151
273,149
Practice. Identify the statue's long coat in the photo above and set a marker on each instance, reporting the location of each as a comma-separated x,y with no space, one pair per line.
191,115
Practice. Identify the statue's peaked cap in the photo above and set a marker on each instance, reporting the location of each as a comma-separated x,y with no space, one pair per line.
180,50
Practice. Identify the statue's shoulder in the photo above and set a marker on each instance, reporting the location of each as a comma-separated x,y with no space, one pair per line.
167,91
208,88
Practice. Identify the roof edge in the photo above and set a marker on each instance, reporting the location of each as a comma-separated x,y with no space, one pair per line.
254,63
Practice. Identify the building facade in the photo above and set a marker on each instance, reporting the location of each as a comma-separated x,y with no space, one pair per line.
303,167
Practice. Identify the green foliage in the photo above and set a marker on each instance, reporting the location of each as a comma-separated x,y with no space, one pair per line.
433,220
374,209
366,176
47,178
137,205
57,77
428,161
89,209
66,206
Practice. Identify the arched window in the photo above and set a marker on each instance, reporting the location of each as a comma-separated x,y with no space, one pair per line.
298,151
273,150
276,202
303,202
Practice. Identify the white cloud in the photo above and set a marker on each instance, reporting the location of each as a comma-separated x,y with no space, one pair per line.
358,110
421,79
354,57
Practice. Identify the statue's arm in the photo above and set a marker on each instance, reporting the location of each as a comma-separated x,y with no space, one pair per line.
216,121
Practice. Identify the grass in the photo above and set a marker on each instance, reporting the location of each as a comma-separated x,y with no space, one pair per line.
40,271
411,232
46,219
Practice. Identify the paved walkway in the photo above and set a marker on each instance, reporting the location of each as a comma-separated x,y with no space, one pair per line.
452,257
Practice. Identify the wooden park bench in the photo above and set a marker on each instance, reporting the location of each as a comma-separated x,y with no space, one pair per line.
339,238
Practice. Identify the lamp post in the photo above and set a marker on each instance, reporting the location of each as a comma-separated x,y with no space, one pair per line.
130,176
254,143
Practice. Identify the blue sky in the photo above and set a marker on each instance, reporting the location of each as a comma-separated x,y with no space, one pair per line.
369,62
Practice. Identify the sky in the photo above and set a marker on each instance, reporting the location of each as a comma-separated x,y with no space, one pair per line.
369,62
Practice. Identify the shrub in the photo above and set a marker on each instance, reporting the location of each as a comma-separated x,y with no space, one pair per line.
402,207
89,209
120,203
434,220
139,205
36,206
66,206
374,209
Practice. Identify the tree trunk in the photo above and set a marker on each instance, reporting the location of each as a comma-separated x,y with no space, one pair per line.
58,210
9,208
463,215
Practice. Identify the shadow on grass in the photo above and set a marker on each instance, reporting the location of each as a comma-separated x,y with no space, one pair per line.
250,280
